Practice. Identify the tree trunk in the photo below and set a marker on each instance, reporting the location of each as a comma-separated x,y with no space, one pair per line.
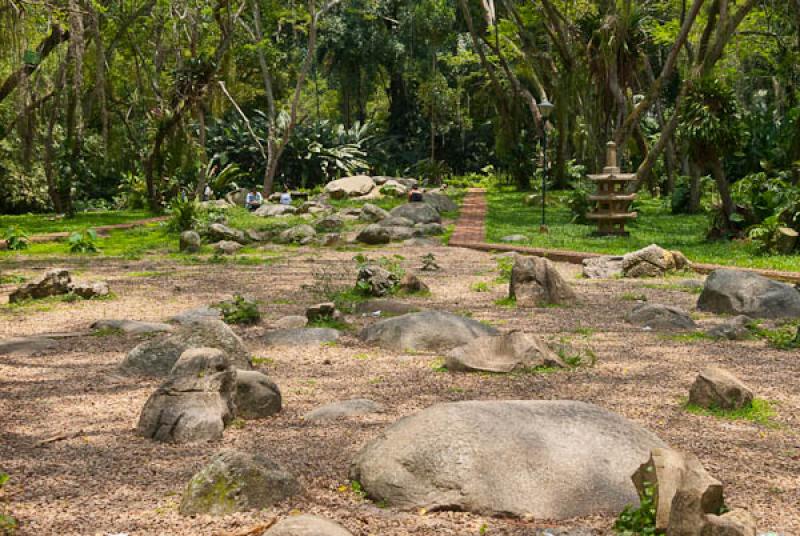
724,190
695,190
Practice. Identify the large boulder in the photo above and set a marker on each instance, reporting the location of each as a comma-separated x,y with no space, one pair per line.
605,267
329,224
272,211
374,235
346,408
543,459
355,186
396,221
219,231
301,337
307,525
660,317
196,401
428,229
157,356
376,281
383,307
300,234
418,213
191,316
291,322
89,290
440,202
739,292
504,353
257,396
394,188
237,481
190,242
35,345
400,233
227,247
652,261
535,281
52,283
428,330
716,388
372,213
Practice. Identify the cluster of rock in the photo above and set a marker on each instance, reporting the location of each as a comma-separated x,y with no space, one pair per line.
652,261
366,187
58,282
688,501
209,379
404,222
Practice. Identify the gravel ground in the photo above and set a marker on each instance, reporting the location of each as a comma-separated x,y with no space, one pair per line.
100,478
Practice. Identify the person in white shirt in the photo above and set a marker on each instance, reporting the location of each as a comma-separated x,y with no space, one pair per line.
286,197
253,200
208,193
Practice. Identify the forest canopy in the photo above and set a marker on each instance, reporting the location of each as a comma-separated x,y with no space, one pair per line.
128,103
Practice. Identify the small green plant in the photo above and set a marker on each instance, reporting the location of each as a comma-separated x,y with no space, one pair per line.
262,361
504,267
8,524
483,530
439,366
83,241
330,323
639,521
784,337
508,302
183,214
759,411
355,487
429,263
481,286
696,336
16,238
239,310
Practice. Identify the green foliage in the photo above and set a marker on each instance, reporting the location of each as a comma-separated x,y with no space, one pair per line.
641,520
782,337
579,204
711,121
16,238
507,302
391,264
184,214
8,524
759,411
481,286
429,263
83,241
239,310
504,267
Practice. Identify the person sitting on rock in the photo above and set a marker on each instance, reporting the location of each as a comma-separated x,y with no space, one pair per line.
415,195
286,197
253,200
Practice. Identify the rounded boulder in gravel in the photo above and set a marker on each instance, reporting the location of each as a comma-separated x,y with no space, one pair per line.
660,317
428,330
307,525
504,353
552,459
257,396
156,357
237,481
739,292
417,213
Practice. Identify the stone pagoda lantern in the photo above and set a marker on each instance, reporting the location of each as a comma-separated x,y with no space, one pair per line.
612,202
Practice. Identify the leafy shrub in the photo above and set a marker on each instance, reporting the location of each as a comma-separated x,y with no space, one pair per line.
131,192
639,521
579,204
681,196
83,241
239,310
16,238
183,214
504,266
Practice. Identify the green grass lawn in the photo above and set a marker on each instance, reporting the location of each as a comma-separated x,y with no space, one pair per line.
34,224
509,215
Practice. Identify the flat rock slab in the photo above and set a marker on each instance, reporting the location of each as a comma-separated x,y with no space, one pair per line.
385,308
307,525
428,330
199,313
346,408
660,317
504,353
301,337
605,267
133,326
546,459
27,345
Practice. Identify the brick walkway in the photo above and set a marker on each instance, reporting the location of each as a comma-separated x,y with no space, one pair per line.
100,230
470,232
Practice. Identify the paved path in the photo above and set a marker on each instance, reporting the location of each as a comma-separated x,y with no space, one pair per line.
470,232
100,230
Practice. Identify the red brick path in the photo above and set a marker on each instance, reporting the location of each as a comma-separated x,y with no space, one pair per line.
470,232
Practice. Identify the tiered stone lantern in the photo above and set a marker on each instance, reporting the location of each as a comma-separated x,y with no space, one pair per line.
612,209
